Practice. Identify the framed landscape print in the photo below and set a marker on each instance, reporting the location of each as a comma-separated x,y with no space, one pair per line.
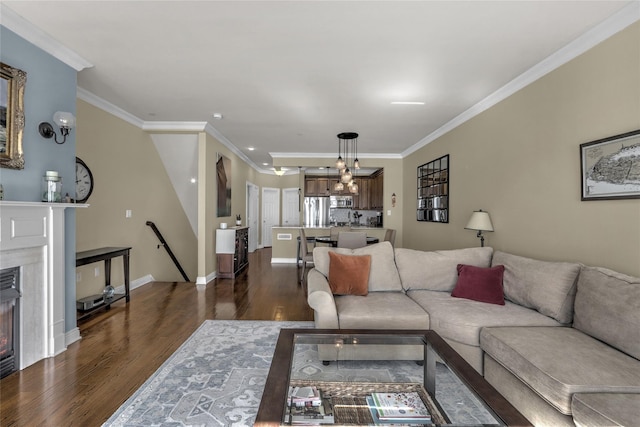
611,167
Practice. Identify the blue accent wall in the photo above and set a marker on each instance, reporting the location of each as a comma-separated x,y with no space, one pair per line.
51,86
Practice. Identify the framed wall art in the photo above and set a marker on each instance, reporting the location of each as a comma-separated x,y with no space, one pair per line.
223,176
610,167
12,83
433,191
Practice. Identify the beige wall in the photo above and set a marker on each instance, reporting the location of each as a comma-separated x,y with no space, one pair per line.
128,174
520,161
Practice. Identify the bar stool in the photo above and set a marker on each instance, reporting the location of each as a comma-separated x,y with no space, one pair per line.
298,254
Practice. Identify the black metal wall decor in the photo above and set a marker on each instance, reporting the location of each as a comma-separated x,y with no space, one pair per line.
433,190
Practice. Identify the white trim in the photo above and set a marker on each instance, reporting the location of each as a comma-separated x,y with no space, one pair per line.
333,155
37,37
616,23
283,261
134,284
200,281
110,108
72,336
174,126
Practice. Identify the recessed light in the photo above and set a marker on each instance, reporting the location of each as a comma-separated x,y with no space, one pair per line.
193,180
251,148
265,164
407,103
217,116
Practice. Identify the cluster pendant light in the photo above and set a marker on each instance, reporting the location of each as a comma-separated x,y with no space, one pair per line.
347,176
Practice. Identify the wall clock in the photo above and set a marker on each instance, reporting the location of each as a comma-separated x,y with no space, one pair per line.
84,181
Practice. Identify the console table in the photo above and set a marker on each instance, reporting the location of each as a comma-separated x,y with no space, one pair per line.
106,254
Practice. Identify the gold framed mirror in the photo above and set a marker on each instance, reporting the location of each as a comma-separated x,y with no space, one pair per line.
12,83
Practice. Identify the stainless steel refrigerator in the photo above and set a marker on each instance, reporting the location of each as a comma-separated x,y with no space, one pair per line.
316,212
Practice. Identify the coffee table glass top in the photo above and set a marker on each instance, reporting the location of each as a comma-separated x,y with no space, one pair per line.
322,377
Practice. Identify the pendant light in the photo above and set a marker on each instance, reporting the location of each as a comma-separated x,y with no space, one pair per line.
340,164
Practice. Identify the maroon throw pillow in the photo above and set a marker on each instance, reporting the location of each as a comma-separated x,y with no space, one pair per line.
480,284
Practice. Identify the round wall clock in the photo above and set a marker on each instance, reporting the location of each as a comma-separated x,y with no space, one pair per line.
84,181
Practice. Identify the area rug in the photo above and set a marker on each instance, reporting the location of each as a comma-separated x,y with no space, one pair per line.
217,376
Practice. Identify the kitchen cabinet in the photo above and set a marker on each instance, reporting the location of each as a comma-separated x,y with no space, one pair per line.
361,200
376,190
232,251
316,187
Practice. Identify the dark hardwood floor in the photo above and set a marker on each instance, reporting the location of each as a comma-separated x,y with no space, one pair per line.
122,347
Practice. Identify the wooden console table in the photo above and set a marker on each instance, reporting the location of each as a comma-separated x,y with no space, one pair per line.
106,254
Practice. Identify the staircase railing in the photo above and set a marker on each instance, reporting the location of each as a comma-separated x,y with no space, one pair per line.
168,249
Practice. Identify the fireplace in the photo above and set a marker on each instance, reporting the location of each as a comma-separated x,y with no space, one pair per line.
9,296
32,241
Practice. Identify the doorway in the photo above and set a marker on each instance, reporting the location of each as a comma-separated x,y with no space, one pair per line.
252,215
270,213
290,207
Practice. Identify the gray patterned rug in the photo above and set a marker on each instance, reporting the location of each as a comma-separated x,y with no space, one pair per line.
217,376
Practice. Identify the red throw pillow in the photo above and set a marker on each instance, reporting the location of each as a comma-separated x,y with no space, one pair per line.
480,284
349,274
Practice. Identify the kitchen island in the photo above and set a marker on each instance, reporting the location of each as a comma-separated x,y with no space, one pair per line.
285,240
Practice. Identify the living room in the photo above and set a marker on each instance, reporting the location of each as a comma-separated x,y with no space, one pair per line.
518,159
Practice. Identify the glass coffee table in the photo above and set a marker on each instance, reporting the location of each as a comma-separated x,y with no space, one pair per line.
353,377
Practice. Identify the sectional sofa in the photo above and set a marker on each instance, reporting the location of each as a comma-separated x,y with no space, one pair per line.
564,348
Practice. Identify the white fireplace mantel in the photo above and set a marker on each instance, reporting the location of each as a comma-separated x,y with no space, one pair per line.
32,234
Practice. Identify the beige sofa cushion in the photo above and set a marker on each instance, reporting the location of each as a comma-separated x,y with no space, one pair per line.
605,409
437,270
557,362
380,310
548,287
607,307
461,320
383,275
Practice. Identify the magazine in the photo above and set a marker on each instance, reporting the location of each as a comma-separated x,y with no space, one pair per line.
310,413
400,406
395,421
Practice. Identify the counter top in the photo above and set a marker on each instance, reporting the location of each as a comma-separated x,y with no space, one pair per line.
359,227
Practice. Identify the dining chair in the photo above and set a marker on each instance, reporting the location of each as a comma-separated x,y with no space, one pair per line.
305,255
390,236
352,239
334,231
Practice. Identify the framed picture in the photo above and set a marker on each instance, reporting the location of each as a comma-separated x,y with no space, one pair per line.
223,174
12,83
433,191
611,167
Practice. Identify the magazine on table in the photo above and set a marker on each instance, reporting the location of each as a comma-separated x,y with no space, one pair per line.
413,421
311,412
407,406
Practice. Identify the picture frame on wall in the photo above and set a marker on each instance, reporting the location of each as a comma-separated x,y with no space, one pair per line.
223,182
12,85
610,167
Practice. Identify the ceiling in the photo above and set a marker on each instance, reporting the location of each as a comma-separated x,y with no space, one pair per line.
288,76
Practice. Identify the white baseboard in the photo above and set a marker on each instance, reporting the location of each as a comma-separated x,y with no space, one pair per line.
202,281
72,336
136,283
283,260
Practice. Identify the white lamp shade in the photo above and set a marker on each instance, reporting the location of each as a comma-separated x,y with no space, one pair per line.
64,119
480,220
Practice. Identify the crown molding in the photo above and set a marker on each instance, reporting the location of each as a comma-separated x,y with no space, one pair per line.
105,105
333,156
37,37
158,126
614,24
